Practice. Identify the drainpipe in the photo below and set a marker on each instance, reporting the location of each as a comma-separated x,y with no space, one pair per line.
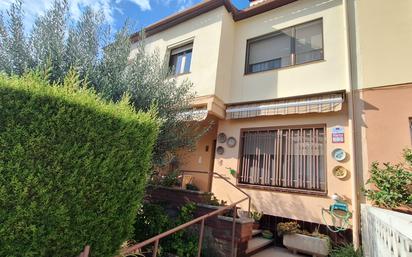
353,129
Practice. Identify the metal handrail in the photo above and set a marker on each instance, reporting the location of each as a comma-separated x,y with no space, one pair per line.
239,189
201,220
85,252
230,183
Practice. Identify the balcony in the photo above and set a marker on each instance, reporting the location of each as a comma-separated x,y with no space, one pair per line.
386,233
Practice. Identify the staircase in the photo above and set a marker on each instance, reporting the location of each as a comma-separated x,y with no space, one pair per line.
276,252
259,246
258,243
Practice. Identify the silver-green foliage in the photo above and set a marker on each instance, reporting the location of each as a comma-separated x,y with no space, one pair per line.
14,52
88,46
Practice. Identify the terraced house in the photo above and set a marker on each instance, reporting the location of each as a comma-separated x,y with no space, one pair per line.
286,84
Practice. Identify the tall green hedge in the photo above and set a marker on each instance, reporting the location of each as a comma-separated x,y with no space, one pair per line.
73,168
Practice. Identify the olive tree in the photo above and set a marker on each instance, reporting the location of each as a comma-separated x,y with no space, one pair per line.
103,59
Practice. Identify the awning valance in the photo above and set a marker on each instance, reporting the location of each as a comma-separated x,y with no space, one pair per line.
194,115
311,104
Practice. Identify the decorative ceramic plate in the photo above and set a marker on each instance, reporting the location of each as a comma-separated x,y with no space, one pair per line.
340,172
221,138
220,150
339,154
231,141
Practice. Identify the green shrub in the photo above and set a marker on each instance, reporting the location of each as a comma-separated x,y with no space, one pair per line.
73,168
211,199
192,187
391,183
152,219
171,179
346,251
184,242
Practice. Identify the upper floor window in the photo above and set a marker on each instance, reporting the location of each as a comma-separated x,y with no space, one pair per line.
180,59
295,45
284,158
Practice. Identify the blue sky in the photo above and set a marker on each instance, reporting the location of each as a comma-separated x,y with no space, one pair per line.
140,12
159,9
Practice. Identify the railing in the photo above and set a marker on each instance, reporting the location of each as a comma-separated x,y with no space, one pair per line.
85,252
236,187
227,181
386,233
156,239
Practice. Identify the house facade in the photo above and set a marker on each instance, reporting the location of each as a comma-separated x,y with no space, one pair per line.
382,80
288,86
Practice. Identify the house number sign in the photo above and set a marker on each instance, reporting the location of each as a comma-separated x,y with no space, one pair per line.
338,135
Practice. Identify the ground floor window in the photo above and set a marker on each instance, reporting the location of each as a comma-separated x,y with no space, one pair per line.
284,157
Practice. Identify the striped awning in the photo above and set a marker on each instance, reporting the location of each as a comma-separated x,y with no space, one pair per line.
313,104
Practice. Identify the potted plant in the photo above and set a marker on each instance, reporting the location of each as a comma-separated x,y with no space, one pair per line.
256,216
296,240
267,234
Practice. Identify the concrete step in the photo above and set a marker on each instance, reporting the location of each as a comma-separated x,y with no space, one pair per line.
256,232
257,243
276,252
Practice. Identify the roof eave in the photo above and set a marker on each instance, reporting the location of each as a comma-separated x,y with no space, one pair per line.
206,6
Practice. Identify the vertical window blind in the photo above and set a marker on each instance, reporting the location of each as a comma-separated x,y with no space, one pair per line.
284,157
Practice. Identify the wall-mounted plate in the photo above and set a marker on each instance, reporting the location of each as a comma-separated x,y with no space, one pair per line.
220,150
231,142
339,154
221,138
340,172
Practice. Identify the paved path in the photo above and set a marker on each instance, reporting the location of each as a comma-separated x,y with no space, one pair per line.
276,252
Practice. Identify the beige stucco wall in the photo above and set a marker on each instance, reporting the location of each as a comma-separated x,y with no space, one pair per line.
205,32
386,114
330,74
199,160
293,205
225,61
217,68
219,52
384,39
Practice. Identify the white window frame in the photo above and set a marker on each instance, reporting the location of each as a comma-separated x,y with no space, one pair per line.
176,51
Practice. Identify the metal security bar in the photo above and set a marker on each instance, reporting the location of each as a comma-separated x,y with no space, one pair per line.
284,157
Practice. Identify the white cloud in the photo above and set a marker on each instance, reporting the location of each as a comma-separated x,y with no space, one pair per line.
143,4
31,9
181,4
34,8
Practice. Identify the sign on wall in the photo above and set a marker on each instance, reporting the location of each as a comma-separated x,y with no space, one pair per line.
338,135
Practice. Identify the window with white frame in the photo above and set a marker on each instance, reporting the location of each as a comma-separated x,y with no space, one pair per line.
291,46
180,59
284,158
